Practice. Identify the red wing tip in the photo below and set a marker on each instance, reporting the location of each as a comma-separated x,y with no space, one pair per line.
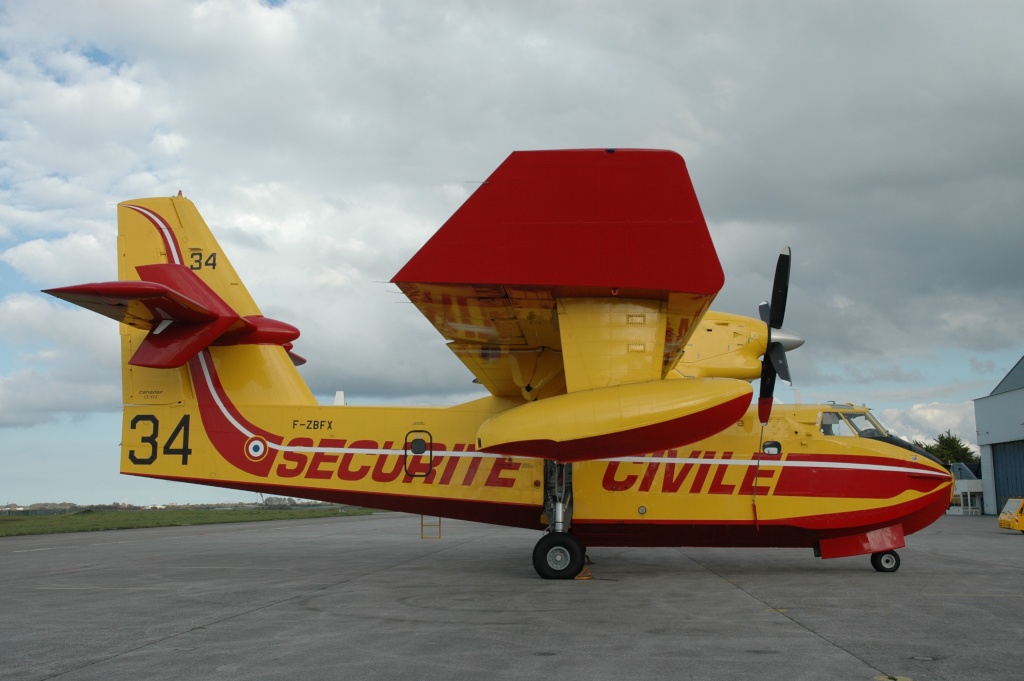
603,220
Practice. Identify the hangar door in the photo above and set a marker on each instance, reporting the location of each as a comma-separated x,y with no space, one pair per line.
1008,468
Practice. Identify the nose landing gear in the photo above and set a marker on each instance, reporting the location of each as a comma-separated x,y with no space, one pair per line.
885,561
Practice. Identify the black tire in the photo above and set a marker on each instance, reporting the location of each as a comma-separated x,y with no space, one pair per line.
558,556
885,561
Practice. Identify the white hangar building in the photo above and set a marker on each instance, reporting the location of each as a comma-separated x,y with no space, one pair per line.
1000,421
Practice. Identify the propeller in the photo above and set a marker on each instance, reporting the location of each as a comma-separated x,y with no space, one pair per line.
774,364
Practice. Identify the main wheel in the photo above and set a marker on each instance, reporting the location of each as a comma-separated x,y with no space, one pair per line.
558,556
885,561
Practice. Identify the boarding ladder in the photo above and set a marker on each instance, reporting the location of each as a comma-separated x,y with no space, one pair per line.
430,527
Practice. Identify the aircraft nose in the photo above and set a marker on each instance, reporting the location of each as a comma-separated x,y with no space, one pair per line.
789,339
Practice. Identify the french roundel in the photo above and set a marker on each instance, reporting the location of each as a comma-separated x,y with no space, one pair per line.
255,448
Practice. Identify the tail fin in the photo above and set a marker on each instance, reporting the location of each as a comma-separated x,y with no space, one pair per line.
178,294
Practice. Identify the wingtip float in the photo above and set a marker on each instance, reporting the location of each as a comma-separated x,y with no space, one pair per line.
576,287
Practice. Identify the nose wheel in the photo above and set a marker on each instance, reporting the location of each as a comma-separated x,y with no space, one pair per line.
558,555
885,561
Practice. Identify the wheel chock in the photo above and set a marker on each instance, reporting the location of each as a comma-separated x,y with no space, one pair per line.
584,574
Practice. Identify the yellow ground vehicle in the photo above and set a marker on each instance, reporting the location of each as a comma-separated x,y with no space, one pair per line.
1012,515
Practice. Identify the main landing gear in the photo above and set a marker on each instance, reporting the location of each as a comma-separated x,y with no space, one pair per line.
885,561
558,554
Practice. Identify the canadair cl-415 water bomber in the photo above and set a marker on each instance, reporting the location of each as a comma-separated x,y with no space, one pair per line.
576,288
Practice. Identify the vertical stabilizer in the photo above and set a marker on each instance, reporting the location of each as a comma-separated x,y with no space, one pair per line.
171,231
178,295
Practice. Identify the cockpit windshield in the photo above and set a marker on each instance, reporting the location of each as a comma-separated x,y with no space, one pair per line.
851,424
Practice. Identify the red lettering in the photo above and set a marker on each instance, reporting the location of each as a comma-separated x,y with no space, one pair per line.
701,475
297,458
474,465
611,483
716,483
381,475
435,462
755,473
450,464
418,466
673,482
652,471
345,471
319,459
495,479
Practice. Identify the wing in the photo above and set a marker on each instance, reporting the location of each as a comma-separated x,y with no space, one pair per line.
572,280
570,270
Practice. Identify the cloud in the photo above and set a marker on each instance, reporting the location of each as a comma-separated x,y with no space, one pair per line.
29,397
72,259
57,360
980,366
925,422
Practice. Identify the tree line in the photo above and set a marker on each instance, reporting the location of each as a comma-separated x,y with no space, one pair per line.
949,448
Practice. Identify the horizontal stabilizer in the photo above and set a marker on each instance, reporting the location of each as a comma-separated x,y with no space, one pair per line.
181,312
142,304
178,343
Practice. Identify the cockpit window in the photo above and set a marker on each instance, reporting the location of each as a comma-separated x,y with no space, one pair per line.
850,424
834,424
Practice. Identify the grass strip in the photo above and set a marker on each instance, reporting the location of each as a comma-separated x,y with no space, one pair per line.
88,520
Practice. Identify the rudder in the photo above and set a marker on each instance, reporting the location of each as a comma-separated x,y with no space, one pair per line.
177,294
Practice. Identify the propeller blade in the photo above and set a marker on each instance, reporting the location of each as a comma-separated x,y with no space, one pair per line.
777,354
774,364
780,289
766,395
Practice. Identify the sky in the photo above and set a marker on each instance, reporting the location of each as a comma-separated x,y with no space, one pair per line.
324,142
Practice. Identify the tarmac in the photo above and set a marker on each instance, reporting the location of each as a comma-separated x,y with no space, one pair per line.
366,598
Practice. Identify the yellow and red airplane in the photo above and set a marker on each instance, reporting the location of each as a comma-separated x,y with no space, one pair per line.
575,286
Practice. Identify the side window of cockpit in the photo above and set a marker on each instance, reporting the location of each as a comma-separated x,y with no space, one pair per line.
833,423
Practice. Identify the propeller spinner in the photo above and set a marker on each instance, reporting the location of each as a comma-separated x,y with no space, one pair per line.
774,363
